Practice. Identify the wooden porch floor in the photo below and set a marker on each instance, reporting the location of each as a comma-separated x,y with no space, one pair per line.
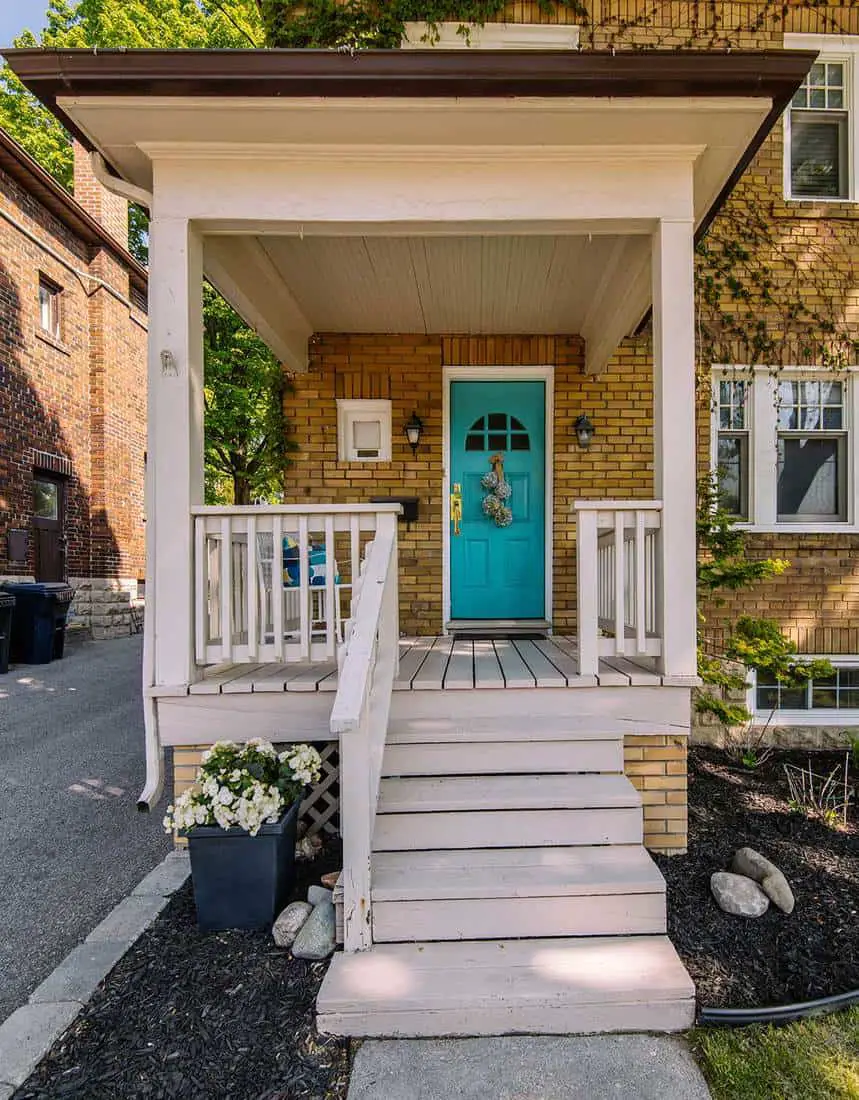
444,664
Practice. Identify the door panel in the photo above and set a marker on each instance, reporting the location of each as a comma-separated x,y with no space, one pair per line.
499,572
49,527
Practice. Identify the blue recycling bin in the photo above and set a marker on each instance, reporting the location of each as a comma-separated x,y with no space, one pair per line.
38,620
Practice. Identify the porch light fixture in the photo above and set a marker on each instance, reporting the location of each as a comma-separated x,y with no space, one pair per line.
413,429
584,431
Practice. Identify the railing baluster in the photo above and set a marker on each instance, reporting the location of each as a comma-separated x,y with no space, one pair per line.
331,616
304,593
201,602
619,577
640,585
253,594
226,588
277,589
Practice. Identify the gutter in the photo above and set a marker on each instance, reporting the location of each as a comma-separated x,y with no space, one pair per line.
154,750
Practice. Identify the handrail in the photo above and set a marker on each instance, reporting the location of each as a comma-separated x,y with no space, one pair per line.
359,719
295,509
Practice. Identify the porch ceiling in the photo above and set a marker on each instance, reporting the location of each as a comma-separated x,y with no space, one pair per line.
438,284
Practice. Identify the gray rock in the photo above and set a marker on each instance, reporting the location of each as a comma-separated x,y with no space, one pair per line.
316,938
317,894
777,889
772,881
738,895
290,922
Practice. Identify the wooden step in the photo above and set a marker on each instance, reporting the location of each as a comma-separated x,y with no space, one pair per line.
505,893
448,794
507,829
504,987
439,728
503,758
515,873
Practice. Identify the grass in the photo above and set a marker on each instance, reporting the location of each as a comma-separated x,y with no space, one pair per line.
816,1059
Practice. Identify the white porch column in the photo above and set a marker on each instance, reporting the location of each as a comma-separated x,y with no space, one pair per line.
175,441
674,450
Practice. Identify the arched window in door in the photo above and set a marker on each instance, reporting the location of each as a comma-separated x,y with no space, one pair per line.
497,432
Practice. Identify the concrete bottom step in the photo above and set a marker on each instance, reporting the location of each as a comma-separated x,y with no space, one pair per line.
507,987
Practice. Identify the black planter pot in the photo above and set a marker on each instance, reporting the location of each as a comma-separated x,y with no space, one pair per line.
242,881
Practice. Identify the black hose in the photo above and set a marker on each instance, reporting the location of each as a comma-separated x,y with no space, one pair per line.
781,1014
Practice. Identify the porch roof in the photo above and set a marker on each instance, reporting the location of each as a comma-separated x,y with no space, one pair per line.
430,190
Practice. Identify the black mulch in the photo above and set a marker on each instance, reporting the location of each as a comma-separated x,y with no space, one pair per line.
774,959
193,1016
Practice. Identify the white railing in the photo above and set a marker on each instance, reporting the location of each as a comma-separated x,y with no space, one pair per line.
620,596
272,582
359,719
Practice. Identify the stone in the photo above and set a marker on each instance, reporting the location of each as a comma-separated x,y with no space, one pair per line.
738,895
777,889
329,879
772,881
317,894
290,922
316,939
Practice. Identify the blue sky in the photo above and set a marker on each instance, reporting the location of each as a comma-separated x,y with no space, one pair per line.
15,15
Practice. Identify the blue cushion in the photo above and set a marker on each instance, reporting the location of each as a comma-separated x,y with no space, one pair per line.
292,564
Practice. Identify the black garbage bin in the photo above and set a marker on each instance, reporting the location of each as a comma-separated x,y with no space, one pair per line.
7,604
39,620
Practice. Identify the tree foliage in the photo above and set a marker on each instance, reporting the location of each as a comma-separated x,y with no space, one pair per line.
247,442
755,643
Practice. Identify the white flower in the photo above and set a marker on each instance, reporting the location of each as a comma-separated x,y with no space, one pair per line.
225,796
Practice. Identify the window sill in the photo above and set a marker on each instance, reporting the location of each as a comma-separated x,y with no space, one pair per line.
836,528
806,201
57,345
806,718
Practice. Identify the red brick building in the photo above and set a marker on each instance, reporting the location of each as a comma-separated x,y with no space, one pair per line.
72,388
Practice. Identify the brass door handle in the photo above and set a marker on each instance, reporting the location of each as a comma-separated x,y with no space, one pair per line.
456,508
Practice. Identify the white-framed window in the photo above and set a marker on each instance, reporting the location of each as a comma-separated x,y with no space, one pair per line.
821,701
364,431
783,447
49,307
821,125
732,444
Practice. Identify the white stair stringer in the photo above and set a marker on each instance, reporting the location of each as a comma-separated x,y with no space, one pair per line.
511,893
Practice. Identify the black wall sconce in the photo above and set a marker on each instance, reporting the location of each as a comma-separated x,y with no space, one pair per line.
584,431
413,429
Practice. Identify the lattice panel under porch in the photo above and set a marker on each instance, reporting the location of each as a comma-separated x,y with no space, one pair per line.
320,811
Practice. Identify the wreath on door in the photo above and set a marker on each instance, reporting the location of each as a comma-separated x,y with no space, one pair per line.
498,491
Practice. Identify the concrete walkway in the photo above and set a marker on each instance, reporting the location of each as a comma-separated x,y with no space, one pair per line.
72,843
598,1067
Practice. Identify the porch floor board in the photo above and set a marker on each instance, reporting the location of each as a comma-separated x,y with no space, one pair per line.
439,664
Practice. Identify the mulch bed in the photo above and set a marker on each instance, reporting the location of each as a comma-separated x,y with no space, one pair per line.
201,1016
774,959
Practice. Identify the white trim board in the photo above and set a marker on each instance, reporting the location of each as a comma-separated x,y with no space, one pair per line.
499,374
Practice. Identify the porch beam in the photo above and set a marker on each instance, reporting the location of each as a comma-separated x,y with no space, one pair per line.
175,442
674,440
241,270
619,302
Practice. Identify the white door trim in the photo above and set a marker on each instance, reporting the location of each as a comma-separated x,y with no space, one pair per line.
498,374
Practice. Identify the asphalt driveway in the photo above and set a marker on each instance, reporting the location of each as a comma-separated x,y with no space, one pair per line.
72,842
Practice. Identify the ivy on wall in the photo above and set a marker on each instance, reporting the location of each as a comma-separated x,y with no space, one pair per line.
376,24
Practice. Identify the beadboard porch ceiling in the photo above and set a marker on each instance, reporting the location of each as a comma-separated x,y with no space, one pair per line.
439,284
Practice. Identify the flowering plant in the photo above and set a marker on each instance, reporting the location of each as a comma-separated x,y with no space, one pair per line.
244,785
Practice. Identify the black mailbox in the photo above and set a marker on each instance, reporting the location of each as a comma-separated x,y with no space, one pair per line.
408,504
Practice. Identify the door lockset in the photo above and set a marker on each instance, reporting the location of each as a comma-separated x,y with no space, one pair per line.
456,507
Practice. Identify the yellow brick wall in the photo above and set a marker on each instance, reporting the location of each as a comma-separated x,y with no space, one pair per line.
407,370
656,767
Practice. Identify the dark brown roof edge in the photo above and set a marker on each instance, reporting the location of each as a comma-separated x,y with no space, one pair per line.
17,163
429,73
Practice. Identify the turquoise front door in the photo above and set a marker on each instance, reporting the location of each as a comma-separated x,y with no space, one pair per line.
498,572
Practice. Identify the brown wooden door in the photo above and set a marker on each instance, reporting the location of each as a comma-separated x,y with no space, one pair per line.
49,527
